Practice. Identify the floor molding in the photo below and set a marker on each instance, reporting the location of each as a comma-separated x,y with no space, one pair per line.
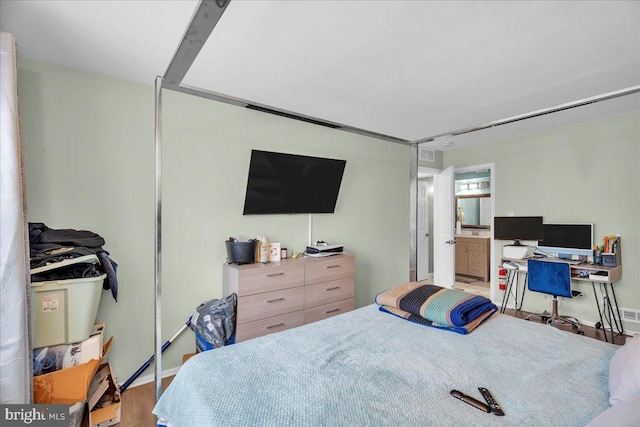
151,378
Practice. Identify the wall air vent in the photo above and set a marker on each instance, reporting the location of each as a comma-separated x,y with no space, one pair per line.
427,154
630,315
291,116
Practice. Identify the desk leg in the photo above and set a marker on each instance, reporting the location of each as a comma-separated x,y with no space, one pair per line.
608,311
620,328
595,295
524,289
505,297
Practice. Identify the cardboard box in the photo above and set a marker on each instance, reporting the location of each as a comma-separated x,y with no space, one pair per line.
202,344
105,404
67,386
55,358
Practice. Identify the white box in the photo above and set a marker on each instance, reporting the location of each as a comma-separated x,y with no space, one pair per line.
62,356
595,277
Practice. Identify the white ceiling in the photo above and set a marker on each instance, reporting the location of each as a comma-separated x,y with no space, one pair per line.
410,69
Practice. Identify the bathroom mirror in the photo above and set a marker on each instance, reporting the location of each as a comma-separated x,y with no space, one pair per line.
474,211
473,198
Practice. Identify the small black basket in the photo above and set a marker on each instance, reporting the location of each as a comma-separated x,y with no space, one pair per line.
241,252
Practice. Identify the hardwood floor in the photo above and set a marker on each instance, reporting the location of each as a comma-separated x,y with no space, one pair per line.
138,402
589,331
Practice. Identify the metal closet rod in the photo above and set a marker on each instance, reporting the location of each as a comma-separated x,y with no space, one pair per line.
334,125
537,113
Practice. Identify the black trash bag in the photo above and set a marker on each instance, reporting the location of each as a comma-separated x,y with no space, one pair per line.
215,320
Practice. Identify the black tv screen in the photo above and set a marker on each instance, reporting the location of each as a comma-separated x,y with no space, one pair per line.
282,183
517,228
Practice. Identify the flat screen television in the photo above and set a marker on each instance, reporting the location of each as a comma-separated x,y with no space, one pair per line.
282,183
567,239
517,228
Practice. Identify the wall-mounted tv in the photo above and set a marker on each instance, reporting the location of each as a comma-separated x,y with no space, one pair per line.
281,183
567,239
517,228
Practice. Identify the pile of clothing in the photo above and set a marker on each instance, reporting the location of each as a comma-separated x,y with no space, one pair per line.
73,248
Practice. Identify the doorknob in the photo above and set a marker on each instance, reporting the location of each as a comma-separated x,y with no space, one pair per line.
450,242
427,234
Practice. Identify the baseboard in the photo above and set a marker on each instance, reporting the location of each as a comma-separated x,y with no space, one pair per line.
151,378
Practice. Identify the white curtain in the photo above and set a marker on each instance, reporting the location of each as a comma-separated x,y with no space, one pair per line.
15,339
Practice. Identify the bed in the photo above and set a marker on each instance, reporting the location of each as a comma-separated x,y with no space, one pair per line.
370,368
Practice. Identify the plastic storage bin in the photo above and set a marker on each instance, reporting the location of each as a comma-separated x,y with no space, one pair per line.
76,413
64,311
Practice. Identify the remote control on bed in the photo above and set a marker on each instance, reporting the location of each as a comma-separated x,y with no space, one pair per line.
495,407
470,400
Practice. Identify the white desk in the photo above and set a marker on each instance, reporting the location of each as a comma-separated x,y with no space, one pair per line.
608,312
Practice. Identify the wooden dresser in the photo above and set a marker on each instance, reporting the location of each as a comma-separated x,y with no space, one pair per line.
290,293
472,256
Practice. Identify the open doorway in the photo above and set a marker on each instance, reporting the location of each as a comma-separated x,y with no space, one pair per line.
473,195
424,231
473,211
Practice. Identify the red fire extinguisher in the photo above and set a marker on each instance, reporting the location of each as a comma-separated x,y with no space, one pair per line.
502,279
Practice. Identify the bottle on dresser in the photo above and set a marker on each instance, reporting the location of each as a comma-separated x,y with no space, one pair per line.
264,250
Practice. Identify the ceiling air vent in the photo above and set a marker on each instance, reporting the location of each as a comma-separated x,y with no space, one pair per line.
427,154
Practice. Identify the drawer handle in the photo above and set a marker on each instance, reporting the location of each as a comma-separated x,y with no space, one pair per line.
275,274
333,266
276,299
275,326
332,289
332,311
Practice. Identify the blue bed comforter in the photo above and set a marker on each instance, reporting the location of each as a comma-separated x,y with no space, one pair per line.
366,368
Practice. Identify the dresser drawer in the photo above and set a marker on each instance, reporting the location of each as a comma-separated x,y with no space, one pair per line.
326,292
270,325
476,247
328,310
268,304
476,262
477,255
259,278
329,268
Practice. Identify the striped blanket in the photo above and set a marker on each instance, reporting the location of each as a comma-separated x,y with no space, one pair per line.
438,307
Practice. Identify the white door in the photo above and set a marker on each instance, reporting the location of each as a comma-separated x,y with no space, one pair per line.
443,226
423,231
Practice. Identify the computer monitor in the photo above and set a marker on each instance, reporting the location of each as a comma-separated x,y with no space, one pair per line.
517,228
567,239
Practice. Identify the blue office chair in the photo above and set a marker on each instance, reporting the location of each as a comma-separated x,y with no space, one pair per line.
553,278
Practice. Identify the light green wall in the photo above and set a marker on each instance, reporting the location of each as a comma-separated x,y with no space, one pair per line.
588,172
89,155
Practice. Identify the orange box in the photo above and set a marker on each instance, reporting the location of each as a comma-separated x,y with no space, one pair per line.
67,386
